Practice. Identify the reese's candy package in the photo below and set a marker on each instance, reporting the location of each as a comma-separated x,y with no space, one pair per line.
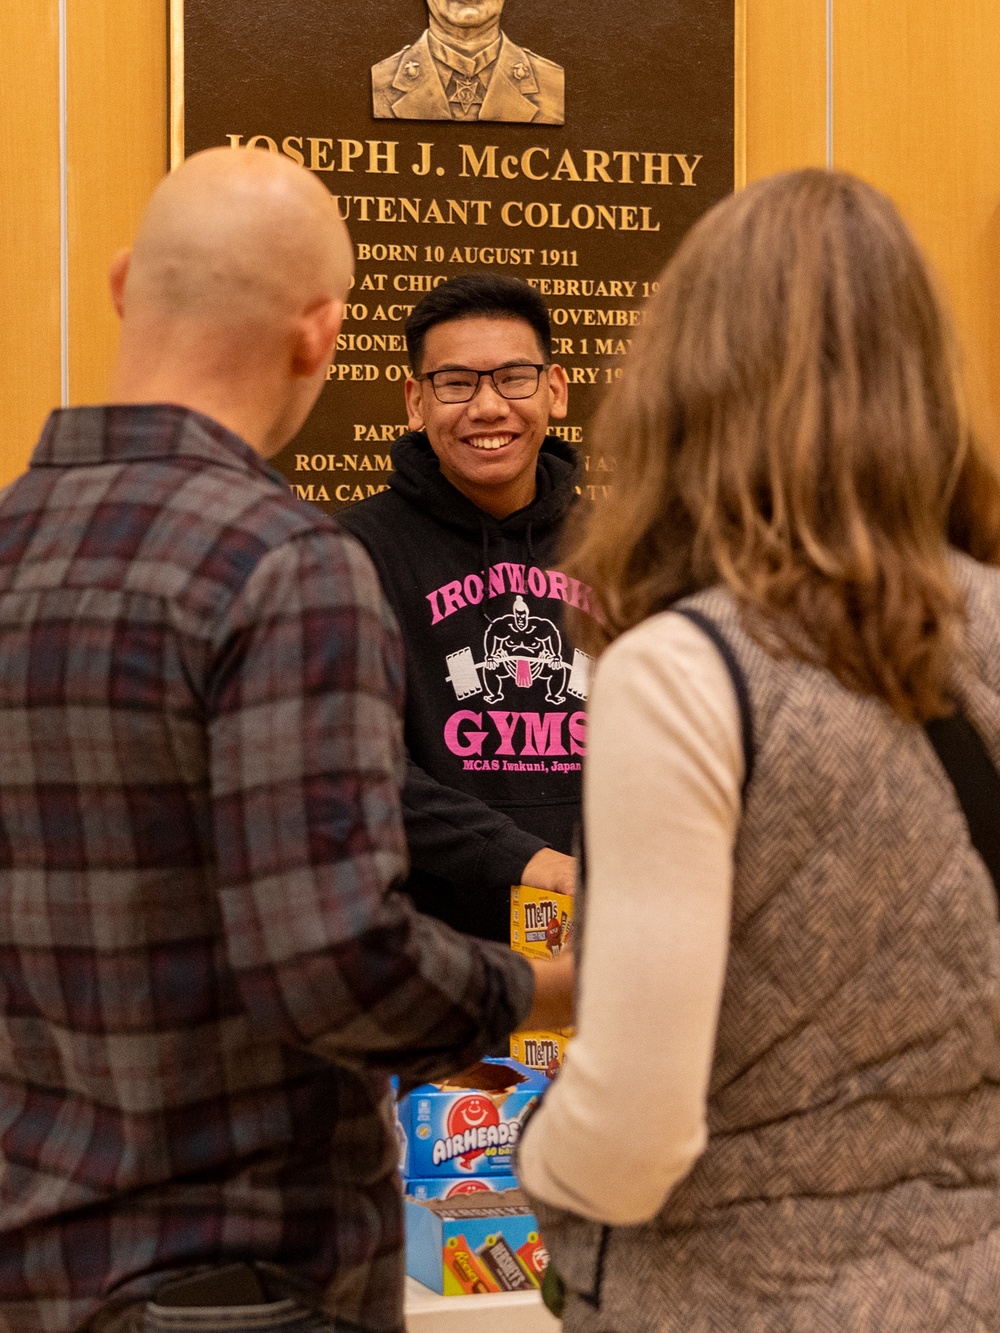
465,1268
541,922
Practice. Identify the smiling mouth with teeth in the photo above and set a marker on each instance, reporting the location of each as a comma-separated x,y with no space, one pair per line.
490,442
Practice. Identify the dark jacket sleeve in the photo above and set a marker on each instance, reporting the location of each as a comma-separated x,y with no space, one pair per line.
460,838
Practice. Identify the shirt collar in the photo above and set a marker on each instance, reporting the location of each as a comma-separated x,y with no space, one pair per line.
120,433
462,64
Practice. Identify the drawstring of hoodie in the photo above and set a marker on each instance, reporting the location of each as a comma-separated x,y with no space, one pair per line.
484,529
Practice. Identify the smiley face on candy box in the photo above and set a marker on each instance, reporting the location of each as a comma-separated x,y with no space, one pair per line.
470,1124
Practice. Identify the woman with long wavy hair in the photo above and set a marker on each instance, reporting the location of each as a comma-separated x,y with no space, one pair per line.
781,1113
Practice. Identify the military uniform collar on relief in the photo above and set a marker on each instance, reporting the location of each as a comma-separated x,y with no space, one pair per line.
506,98
463,64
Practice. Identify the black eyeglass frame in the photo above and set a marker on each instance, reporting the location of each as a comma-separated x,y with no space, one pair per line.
536,366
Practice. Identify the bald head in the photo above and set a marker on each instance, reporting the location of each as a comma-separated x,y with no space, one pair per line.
238,235
233,293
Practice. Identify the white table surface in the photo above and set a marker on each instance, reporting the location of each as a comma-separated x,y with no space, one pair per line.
504,1312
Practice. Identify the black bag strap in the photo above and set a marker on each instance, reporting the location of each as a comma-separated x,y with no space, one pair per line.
966,760
722,644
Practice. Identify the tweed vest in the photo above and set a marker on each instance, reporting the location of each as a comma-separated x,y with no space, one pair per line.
851,1180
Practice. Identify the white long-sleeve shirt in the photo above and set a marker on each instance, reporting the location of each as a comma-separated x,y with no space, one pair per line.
626,1119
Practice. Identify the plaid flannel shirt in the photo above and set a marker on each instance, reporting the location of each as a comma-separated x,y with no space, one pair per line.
205,975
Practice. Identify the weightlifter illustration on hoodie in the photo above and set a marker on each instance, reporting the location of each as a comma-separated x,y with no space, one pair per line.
523,648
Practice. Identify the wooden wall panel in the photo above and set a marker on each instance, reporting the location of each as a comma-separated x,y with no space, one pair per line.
29,226
917,112
117,136
786,85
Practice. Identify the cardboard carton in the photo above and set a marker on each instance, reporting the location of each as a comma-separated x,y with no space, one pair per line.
448,1187
468,1125
464,1246
543,1052
541,922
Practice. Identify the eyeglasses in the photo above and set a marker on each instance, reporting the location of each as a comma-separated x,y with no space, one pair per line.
461,386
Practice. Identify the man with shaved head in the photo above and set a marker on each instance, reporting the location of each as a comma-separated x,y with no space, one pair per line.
206,972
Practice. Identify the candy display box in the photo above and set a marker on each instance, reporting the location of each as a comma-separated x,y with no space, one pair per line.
448,1187
467,1126
541,922
544,1052
467,1246
541,926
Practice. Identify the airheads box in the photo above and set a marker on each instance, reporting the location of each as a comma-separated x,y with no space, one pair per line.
447,1187
543,1052
468,1125
467,1246
541,922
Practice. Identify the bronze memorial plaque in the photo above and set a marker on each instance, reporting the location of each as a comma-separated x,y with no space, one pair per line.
573,150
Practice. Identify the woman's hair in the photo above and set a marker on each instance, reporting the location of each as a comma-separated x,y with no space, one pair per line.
790,424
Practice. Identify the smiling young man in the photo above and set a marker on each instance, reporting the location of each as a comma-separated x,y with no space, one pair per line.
465,542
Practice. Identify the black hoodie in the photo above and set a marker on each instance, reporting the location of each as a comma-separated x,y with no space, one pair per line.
495,720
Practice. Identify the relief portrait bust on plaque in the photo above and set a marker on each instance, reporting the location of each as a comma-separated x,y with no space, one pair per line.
463,67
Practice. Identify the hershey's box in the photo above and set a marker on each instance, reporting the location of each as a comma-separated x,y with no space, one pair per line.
472,1245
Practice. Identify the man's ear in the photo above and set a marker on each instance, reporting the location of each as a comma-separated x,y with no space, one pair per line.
117,278
316,337
559,390
414,404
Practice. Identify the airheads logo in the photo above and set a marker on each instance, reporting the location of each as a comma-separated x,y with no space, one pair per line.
469,1187
473,1125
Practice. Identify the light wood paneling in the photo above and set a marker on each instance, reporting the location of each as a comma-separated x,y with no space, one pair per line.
786,85
29,226
117,136
917,100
